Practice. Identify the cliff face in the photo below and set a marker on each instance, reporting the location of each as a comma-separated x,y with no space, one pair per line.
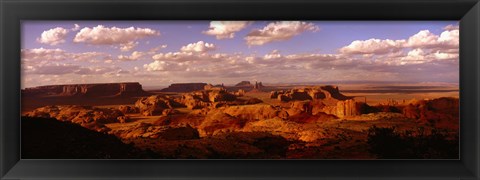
184,87
309,93
89,90
324,99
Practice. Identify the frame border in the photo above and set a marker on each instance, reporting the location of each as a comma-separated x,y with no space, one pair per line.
13,11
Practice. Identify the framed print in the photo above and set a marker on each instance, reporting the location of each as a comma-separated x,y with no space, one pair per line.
201,89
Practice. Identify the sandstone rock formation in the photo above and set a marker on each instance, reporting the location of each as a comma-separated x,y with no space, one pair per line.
201,99
239,93
214,87
325,99
309,93
217,121
146,130
155,105
287,129
125,109
86,116
87,90
184,87
255,112
441,112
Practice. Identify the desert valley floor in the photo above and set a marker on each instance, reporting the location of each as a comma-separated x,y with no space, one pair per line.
243,121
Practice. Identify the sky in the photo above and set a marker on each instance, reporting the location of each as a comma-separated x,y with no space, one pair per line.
158,53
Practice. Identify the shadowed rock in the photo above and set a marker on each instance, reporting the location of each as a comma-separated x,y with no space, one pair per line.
87,116
184,87
87,90
156,105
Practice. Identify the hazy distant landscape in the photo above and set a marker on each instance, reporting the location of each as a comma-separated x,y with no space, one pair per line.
240,90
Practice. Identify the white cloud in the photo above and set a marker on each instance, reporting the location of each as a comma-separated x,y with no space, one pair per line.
164,66
76,27
53,36
451,27
136,55
225,29
124,37
41,54
278,31
423,38
447,41
199,46
273,55
373,46
158,48
38,54
128,46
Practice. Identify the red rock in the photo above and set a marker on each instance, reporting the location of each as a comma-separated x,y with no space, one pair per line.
86,116
441,112
127,109
155,105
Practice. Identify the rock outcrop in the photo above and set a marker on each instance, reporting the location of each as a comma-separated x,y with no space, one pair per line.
201,99
86,116
309,93
441,112
156,105
88,90
325,99
125,109
184,87
214,87
146,130
255,112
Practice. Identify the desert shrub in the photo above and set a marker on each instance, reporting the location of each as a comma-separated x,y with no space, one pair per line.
388,143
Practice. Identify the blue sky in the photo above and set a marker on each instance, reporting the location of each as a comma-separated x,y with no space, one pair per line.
64,52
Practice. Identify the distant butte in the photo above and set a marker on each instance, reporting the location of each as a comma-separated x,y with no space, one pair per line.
184,87
87,90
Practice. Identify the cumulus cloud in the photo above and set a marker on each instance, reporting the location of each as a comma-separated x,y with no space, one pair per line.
41,54
225,29
446,42
278,31
164,66
422,39
451,27
422,54
373,46
158,48
53,36
273,55
128,46
123,37
136,55
199,46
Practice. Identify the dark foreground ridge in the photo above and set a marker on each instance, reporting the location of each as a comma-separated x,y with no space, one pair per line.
47,138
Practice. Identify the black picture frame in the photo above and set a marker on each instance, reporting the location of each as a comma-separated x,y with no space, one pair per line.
12,12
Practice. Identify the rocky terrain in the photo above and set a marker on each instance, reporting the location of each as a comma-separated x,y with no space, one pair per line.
218,122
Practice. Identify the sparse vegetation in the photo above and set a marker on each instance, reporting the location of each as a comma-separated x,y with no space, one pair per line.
388,143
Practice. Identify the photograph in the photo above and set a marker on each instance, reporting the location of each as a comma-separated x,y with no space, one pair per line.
198,89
